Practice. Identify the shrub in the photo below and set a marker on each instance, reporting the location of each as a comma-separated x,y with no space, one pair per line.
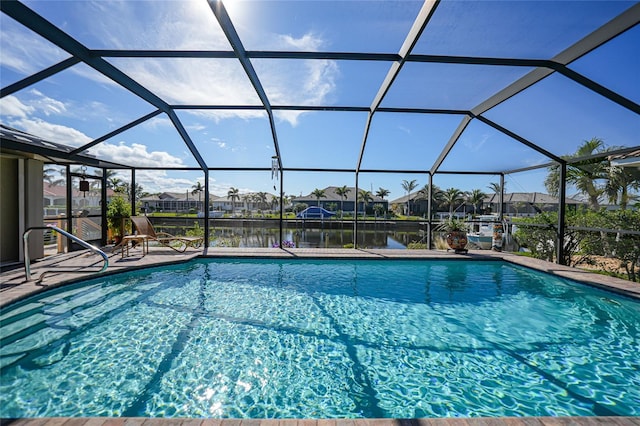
539,235
416,246
196,231
117,209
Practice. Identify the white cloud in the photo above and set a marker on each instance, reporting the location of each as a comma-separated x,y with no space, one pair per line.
321,82
161,121
221,144
154,181
536,161
298,82
196,127
192,25
23,52
89,73
166,25
193,81
134,155
32,103
47,105
405,129
52,132
475,145
217,115
308,42
12,107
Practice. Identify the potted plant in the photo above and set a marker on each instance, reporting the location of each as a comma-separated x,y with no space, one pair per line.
455,233
117,209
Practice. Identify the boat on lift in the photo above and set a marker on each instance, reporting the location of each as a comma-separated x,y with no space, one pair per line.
481,234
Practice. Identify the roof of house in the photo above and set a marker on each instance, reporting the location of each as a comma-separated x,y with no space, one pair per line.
227,199
330,194
630,159
511,197
60,191
170,196
528,198
410,197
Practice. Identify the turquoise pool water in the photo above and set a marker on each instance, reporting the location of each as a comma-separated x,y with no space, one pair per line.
319,339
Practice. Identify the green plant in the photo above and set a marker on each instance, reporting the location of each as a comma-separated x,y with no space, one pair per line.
416,246
588,236
196,231
452,224
440,243
117,209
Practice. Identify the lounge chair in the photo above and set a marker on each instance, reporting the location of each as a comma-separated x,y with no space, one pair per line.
144,227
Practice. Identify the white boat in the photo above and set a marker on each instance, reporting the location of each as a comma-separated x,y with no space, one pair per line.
481,234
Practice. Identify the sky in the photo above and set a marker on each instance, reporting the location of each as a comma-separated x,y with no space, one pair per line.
79,104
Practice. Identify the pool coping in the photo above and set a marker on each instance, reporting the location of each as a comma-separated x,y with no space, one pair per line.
467,421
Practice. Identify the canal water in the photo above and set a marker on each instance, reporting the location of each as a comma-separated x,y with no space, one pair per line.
303,237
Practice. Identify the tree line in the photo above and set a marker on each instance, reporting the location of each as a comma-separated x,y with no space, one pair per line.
593,232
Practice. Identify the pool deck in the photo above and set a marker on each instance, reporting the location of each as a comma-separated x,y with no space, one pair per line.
14,287
476,421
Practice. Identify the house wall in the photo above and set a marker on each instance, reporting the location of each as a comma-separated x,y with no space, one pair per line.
9,212
348,206
21,188
32,190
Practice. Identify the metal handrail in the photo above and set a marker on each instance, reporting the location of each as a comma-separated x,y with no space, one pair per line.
25,247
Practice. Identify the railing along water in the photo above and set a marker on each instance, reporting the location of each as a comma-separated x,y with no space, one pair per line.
27,259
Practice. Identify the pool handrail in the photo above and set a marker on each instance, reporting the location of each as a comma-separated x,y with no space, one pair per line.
27,259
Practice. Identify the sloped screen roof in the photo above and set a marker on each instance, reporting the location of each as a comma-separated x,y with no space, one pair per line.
341,86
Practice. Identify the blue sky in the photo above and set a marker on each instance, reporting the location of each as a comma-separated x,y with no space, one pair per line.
79,104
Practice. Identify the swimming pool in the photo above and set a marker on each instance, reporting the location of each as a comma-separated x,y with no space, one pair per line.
319,339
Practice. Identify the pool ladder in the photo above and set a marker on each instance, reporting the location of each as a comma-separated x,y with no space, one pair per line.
27,259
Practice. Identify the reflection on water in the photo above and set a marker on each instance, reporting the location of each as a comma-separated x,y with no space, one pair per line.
311,238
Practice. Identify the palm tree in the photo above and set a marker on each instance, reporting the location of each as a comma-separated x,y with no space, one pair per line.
583,176
109,173
436,193
48,174
114,183
518,205
246,198
274,202
197,189
381,192
138,191
366,197
318,193
379,209
475,197
621,180
342,192
452,196
409,186
234,195
261,197
496,187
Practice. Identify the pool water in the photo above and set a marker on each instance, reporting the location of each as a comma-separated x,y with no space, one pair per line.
322,339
